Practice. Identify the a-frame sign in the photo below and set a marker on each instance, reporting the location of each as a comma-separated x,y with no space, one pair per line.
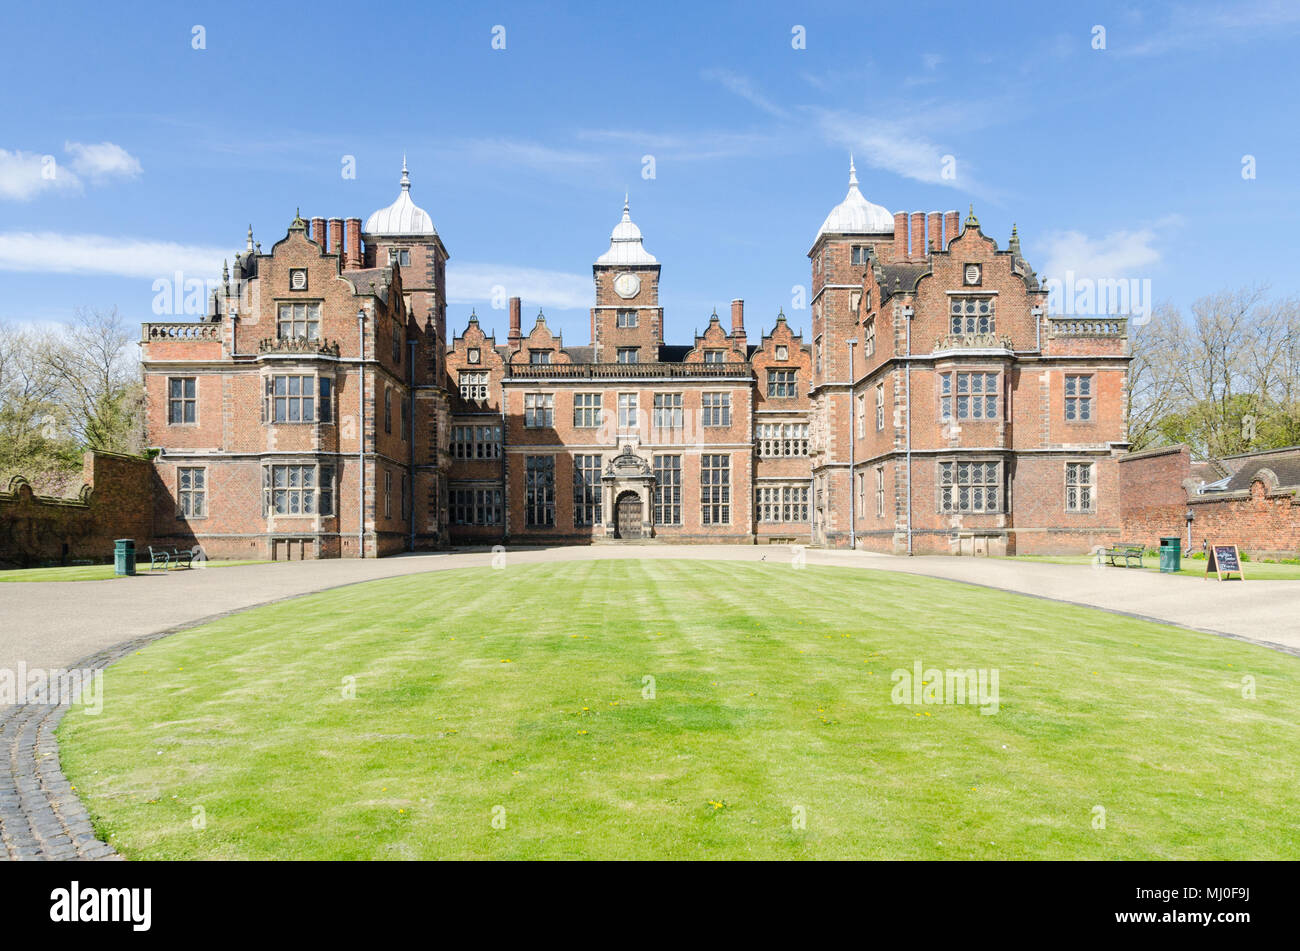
1224,560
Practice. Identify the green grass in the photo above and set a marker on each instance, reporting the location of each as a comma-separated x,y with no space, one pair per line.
523,689
1191,567
95,572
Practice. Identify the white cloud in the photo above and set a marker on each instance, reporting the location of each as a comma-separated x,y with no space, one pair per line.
475,283
51,252
894,147
744,88
521,152
1118,254
102,161
24,175
692,146
1195,27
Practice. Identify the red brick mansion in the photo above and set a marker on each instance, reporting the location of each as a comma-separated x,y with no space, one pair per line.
321,409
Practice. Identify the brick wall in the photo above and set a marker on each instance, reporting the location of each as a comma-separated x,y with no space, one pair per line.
1158,490
116,501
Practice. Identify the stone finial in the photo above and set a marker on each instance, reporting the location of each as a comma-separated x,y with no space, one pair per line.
971,220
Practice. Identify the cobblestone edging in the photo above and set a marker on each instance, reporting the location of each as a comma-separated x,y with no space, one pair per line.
41,815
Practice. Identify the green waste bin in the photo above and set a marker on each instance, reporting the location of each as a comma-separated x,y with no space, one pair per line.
1171,553
124,556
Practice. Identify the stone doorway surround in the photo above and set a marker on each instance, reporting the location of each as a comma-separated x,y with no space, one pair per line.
627,472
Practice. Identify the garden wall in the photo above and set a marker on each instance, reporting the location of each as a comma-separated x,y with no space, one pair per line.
116,501
1157,490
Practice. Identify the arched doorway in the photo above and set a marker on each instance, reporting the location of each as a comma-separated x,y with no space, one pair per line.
627,515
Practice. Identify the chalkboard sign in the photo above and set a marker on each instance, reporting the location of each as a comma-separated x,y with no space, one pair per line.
1224,560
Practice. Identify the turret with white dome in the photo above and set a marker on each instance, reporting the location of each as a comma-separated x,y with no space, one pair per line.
625,243
403,217
856,215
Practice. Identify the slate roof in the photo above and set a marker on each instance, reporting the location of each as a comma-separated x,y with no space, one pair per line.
907,275
1285,464
370,280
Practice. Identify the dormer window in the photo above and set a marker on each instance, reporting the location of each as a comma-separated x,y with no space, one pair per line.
715,356
539,357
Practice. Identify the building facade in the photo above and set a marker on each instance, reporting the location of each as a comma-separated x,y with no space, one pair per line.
321,410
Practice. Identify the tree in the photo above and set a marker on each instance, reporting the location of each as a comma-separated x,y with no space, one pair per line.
1225,381
98,381
1152,390
32,442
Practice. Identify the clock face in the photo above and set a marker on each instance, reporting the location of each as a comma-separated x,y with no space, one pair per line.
627,285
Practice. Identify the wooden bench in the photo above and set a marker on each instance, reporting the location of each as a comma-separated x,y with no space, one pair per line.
1129,551
158,556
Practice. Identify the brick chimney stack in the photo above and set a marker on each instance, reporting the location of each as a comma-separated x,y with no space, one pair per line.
918,235
951,225
935,226
900,236
318,231
516,334
738,336
336,236
354,243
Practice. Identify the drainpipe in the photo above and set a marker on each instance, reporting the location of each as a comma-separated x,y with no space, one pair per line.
853,426
907,315
410,482
361,436
505,469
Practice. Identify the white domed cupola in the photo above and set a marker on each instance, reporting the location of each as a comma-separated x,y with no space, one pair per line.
625,243
856,215
403,218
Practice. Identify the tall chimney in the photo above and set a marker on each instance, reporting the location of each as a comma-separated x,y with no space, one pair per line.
900,236
918,235
516,334
738,336
354,243
951,225
318,232
934,222
336,236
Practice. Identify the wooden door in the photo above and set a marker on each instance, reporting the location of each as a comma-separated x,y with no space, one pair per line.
629,515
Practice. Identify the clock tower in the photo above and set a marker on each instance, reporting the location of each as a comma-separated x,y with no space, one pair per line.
627,323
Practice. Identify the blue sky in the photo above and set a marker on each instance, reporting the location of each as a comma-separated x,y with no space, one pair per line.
1117,162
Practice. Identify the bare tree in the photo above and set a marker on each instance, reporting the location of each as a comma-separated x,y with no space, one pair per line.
98,381
32,441
1153,391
